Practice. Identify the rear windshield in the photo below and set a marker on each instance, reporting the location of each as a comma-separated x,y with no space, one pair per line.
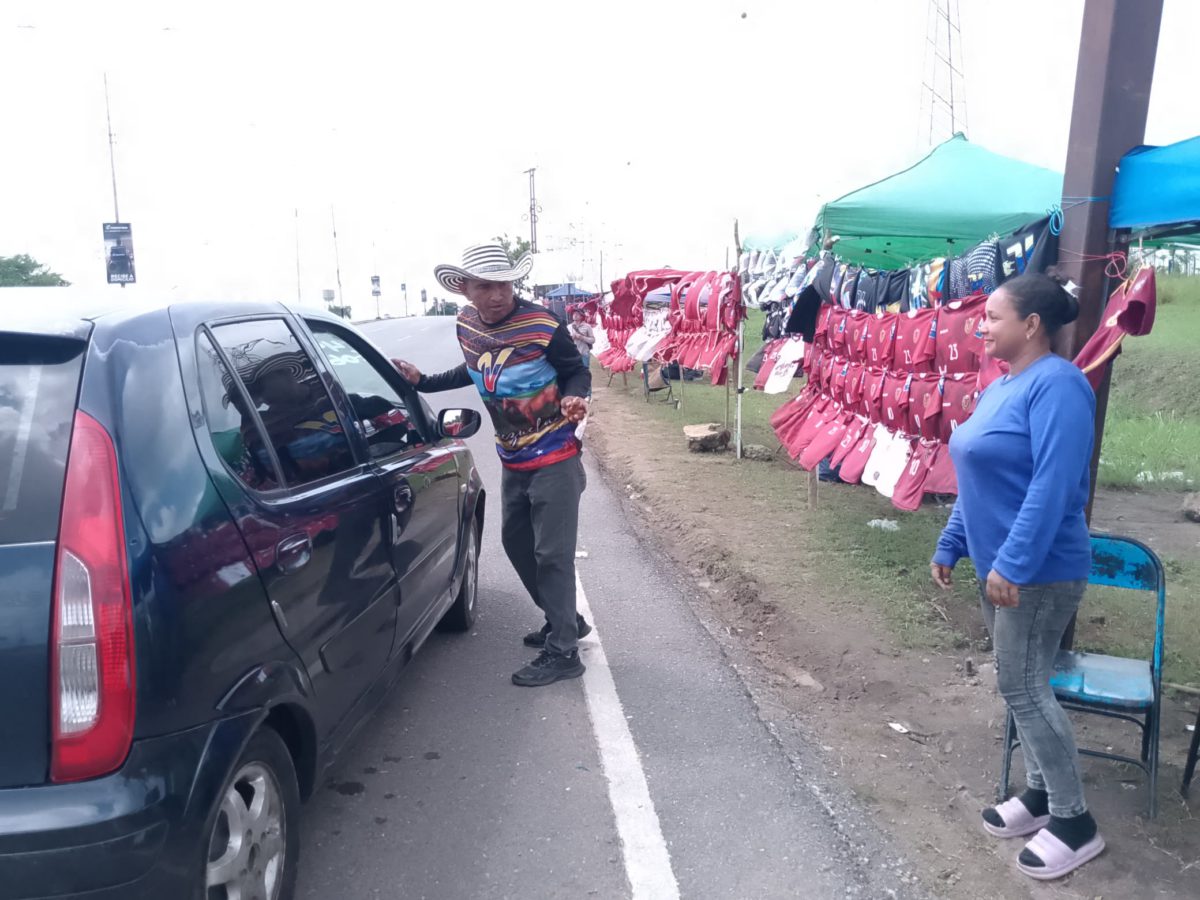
39,378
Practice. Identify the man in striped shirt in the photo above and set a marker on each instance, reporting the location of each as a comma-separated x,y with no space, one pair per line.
535,387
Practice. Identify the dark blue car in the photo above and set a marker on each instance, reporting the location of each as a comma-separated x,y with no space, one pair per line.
224,530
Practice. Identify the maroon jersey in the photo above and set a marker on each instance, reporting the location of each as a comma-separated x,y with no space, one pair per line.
837,386
942,478
854,433
959,346
958,402
916,334
871,403
837,332
821,334
925,407
911,486
855,462
990,370
1130,310
770,356
829,367
825,441
854,386
894,404
880,340
856,330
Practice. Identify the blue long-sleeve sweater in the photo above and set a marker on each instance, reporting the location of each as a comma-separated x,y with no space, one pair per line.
1022,461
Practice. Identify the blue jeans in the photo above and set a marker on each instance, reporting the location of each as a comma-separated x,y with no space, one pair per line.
1026,639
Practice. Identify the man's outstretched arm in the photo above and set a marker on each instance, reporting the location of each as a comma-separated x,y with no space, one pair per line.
458,377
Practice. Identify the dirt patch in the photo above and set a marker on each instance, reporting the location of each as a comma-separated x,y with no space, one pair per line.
766,575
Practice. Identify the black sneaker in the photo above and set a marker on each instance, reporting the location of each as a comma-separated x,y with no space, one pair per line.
538,638
549,668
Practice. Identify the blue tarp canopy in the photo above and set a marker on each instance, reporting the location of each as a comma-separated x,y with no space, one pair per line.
567,291
1158,188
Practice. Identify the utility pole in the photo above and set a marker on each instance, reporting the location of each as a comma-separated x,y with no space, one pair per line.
299,298
1117,49
337,261
533,212
112,159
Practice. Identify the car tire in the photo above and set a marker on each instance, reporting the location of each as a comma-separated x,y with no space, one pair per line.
461,616
253,836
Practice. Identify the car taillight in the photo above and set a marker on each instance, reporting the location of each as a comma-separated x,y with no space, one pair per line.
92,670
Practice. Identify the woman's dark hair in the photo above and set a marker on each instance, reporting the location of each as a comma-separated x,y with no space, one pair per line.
1044,294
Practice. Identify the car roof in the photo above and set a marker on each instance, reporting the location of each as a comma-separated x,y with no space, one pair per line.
72,312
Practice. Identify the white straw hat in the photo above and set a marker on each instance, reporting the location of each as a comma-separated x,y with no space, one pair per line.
485,262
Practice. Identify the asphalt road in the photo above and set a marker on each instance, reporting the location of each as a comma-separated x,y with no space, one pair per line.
652,777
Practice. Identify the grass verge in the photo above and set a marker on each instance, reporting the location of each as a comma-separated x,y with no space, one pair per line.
889,569
1153,425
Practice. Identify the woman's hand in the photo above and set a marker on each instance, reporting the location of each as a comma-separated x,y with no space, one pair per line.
942,576
1001,591
410,372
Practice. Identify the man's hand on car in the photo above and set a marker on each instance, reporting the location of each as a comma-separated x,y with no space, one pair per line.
410,372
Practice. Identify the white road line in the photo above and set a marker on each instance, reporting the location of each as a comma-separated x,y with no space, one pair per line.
647,862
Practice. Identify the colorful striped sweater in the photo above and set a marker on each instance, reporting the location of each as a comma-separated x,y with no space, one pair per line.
522,366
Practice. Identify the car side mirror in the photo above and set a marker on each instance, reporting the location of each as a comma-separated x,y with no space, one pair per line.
458,424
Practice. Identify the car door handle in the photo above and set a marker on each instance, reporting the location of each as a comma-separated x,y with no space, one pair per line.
293,553
402,497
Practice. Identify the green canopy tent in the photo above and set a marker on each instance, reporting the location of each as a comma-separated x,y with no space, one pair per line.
956,196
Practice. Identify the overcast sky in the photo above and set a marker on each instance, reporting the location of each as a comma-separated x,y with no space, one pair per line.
652,124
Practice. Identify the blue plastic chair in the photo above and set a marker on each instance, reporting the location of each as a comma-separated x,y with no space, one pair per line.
1112,686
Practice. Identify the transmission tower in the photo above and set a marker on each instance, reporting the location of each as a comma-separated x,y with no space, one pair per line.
944,87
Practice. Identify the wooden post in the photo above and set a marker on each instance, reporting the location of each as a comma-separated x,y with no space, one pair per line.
1117,49
814,479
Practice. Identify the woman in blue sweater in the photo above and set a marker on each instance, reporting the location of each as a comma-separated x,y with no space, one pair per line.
1022,461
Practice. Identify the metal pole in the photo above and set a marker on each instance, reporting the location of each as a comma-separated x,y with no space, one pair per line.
532,212
740,341
337,260
299,298
1117,49
112,159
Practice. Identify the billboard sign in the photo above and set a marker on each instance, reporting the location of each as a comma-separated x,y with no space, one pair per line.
118,252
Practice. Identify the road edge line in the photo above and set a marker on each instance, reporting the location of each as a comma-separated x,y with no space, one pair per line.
643,848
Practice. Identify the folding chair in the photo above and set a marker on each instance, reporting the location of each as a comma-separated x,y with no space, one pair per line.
1190,769
1112,686
656,379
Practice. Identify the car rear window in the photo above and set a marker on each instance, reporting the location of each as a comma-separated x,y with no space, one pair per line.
39,379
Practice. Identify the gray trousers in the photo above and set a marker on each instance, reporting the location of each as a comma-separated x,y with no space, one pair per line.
1026,639
539,525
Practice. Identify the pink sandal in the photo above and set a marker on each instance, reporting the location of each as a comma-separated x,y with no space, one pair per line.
1059,859
1018,820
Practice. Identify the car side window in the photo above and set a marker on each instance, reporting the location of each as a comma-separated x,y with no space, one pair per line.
292,402
385,416
234,433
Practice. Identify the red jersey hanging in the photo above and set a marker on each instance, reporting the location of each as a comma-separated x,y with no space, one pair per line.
1130,310
959,341
916,334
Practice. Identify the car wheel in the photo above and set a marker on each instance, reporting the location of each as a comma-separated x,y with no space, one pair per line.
254,841
461,616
